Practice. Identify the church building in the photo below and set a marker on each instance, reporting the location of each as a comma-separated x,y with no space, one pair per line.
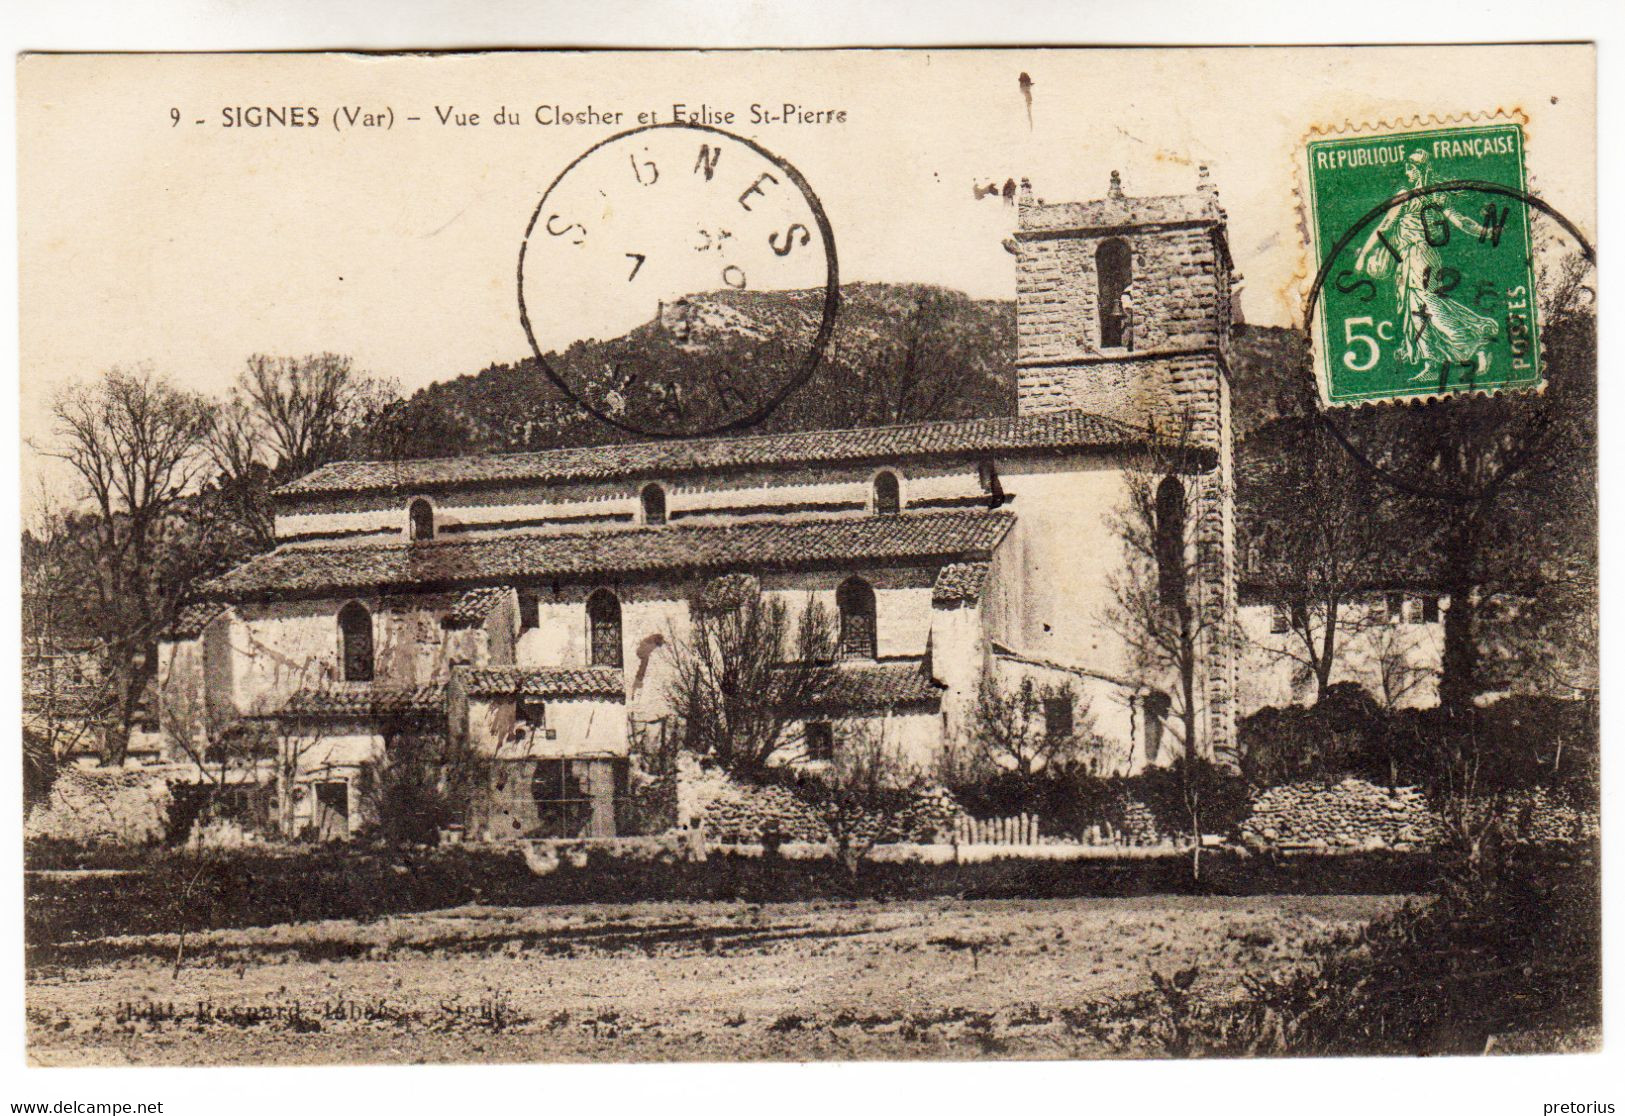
529,603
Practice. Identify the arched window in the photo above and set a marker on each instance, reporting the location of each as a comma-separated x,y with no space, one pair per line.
1170,541
654,505
604,628
856,602
1157,707
888,496
355,642
1114,271
422,519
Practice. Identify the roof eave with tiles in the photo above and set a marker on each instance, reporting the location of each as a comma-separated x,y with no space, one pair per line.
1050,431
293,570
364,701
605,683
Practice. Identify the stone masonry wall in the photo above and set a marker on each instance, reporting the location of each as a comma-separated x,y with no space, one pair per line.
1352,814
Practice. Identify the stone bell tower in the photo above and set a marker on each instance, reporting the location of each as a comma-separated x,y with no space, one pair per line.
1123,305
1123,309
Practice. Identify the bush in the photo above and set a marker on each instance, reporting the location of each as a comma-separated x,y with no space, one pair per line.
1066,799
1516,743
1069,801
1342,734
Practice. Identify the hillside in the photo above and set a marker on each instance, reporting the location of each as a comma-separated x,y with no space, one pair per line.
899,353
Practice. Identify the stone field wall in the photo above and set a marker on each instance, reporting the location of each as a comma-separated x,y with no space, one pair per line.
1352,814
97,805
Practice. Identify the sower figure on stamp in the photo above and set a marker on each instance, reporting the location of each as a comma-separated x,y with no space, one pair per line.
1435,330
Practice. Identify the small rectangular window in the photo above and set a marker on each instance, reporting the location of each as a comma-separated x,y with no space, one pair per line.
1058,716
1396,608
533,713
820,741
1430,610
1280,620
530,612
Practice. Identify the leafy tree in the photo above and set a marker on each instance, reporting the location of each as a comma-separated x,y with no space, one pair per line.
424,782
1500,496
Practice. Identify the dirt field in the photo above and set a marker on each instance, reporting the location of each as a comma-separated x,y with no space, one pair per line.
665,981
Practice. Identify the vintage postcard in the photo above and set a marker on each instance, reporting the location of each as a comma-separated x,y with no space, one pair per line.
549,556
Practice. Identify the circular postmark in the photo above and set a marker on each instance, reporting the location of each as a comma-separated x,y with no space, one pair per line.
678,280
1436,298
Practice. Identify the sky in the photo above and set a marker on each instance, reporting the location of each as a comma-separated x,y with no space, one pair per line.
149,239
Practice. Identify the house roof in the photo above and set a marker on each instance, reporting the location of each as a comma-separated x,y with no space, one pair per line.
1055,430
194,618
878,686
547,682
364,699
298,568
960,583
474,606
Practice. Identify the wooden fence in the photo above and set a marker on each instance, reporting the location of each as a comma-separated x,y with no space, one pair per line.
1022,829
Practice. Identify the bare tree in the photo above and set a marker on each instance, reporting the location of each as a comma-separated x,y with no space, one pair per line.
235,444
134,442
1397,675
1027,728
60,690
747,673
1165,604
1320,535
862,794
302,410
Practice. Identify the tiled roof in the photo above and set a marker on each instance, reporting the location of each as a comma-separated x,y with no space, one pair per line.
959,583
547,682
364,699
474,606
874,687
504,558
1055,430
194,618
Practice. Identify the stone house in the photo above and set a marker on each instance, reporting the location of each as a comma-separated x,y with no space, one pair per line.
1391,643
528,603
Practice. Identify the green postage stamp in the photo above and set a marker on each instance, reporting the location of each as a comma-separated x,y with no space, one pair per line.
1424,275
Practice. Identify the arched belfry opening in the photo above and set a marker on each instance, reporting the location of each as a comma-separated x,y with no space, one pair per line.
1114,271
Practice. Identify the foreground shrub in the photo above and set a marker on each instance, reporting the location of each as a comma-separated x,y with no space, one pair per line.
1514,950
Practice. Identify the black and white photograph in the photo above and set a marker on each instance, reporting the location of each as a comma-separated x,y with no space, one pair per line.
972,555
